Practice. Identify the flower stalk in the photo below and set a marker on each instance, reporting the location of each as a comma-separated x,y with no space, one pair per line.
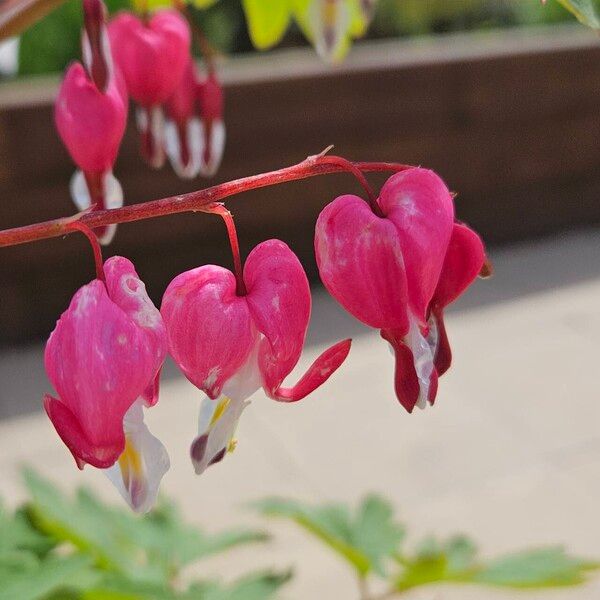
198,201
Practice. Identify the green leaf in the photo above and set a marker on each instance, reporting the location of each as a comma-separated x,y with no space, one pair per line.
52,43
545,567
364,540
259,586
267,21
586,11
45,578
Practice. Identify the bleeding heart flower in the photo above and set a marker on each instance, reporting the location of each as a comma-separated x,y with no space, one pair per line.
90,115
104,359
210,97
396,271
152,55
329,24
229,345
184,135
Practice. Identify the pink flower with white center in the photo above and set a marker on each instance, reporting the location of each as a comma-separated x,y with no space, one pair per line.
152,56
184,135
396,271
231,338
90,115
104,359
210,97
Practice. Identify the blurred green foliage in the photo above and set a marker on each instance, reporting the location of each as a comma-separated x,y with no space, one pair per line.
372,542
52,43
57,548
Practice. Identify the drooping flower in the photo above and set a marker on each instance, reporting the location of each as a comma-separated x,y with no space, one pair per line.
184,142
210,96
104,359
229,344
90,115
397,270
152,55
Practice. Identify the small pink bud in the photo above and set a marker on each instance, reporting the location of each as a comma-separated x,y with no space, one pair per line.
90,123
394,273
229,345
90,114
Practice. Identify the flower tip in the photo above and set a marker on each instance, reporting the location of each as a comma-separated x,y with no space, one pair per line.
487,269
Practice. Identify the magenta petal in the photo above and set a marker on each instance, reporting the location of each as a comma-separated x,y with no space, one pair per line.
99,360
70,432
90,123
209,327
360,262
279,302
406,382
318,373
443,354
151,393
419,204
463,262
152,56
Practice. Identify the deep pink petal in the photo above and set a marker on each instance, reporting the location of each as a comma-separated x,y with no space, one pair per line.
75,439
318,373
360,262
406,382
280,303
419,204
463,262
99,360
152,56
90,123
209,327
182,103
128,292
443,355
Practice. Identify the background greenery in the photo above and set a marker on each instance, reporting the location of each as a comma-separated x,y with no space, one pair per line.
52,43
59,548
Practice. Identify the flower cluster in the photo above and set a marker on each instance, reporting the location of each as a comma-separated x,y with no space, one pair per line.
148,60
394,262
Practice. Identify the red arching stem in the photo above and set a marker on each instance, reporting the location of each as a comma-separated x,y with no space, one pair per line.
352,168
192,202
219,209
91,236
94,18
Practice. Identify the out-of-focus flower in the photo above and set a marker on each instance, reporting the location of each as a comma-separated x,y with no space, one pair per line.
210,96
329,22
397,270
184,141
104,359
90,115
152,55
230,345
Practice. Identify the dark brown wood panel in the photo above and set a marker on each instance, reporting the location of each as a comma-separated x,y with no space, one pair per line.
517,135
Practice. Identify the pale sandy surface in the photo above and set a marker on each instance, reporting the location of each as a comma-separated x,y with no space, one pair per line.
510,454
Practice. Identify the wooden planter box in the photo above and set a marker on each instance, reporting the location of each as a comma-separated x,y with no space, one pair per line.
511,120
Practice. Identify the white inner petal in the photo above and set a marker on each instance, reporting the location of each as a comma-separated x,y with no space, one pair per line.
113,198
138,472
216,145
329,21
423,355
195,142
218,419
